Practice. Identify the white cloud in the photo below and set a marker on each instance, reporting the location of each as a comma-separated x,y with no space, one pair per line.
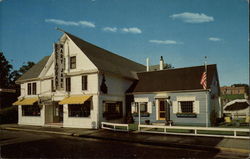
165,42
110,29
214,39
188,17
87,24
71,23
133,30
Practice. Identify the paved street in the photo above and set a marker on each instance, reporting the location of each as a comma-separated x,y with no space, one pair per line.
26,144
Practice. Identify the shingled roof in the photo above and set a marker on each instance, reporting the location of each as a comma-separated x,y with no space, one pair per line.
34,71
107,61
174,79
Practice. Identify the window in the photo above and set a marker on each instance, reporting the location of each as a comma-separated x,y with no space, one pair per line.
84,82
31,110
143,107
186,106
33,88
113,110
73,62
29,88
68,84
79,110
52,86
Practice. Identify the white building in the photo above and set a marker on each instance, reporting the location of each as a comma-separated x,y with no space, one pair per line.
78,85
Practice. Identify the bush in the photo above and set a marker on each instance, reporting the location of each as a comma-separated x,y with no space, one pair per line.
9,115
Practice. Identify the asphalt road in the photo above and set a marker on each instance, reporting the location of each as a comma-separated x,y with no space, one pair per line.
19,144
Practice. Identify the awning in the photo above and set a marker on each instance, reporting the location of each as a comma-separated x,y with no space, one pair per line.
75,99
26,101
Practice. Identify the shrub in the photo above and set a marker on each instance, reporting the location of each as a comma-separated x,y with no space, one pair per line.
9,115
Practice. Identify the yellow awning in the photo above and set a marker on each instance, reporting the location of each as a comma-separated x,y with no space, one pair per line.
75,99
26,101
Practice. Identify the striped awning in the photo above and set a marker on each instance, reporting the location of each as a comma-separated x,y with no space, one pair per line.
26,101
75,99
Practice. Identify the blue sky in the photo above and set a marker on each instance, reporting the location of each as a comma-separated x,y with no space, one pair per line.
182,31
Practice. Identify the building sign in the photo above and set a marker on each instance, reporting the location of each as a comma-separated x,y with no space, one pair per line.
59,66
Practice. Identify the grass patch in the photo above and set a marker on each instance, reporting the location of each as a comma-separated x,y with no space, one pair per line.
179,131
133,127
120,127
213,132
243,134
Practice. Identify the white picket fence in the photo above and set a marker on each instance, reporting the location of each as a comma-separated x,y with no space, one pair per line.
194,131
115,126
175,130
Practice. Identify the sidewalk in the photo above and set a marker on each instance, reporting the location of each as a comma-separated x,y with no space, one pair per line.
189,142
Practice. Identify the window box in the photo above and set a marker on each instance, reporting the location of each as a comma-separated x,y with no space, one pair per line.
186,115
143,114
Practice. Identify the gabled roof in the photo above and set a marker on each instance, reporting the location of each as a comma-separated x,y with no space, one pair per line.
34,71
174,79
107,61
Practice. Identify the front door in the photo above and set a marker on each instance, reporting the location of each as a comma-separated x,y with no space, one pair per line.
57,113
163,110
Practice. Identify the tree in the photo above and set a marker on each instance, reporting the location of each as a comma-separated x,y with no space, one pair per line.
14,75
5,68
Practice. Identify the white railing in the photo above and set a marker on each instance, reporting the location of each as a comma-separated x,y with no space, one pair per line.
195,131
115,126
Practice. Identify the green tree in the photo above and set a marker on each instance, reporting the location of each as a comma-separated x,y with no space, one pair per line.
14,75
5,68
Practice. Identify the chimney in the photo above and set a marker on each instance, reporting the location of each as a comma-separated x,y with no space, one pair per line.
147,60
161,63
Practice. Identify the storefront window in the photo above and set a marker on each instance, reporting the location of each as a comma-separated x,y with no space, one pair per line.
79,110
31,110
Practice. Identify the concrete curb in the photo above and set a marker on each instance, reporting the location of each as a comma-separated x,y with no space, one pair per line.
39,131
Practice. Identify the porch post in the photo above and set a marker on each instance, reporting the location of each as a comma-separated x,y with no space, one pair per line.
139,113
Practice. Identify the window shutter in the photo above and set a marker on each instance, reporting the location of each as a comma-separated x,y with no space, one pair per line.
149,107
133,109
196,107
175,107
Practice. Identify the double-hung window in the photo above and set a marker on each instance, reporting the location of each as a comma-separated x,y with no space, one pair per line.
68,84
84,82
31,88
73,62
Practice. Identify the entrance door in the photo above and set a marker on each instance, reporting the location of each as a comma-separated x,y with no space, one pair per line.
163,110
57,113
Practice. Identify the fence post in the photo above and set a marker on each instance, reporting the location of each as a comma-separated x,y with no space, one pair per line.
195,131
235,134
165,130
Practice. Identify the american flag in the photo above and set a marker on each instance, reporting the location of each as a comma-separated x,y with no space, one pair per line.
204,80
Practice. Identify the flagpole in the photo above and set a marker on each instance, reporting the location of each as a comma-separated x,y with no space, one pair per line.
206,92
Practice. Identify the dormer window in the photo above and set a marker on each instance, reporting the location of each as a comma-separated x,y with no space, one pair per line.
73,62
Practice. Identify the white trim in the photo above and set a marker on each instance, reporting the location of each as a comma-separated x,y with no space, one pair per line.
185,98
141,99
